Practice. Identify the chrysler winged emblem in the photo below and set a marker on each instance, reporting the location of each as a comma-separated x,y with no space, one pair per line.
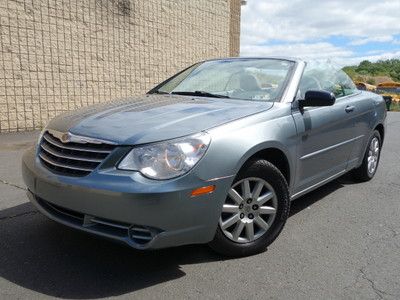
65,137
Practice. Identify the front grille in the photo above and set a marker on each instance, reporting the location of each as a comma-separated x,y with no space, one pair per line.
71,158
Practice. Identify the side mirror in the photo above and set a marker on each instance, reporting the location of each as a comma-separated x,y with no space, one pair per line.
317,98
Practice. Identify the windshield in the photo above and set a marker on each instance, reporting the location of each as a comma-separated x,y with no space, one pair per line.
247,79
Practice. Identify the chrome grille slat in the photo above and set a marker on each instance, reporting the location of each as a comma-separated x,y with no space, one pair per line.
53,141
52,162
72,158
47,149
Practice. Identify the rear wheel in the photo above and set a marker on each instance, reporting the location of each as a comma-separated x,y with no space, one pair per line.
254,212
370,162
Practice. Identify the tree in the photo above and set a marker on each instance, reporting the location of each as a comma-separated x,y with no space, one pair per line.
367,69
371,80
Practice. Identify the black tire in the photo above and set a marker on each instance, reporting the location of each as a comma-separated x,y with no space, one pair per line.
362,174
264,170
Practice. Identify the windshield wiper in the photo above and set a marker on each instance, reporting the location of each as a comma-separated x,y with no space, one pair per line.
158,92
200,94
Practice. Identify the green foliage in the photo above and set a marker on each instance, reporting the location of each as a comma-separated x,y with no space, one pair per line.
389,67
371,80
350,71
395,106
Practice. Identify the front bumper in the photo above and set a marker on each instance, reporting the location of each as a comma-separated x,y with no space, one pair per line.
124,206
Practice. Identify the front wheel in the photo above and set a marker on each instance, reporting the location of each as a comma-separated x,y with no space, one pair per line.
254,212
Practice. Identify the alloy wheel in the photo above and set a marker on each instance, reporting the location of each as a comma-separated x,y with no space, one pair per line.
373,155
249,210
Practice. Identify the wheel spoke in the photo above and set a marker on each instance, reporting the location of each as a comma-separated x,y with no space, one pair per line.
264,198
229,208
257,190
235,196
260,222
232,220
246,189
238,230
250,231
376,150
267,210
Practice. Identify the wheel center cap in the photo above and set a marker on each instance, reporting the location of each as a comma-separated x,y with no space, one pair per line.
247,208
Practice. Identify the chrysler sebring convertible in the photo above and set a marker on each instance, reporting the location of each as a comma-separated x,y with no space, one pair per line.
214,154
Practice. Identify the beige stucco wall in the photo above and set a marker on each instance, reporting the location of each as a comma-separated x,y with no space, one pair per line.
60,55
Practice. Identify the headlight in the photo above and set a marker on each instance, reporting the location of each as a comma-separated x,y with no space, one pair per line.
167,159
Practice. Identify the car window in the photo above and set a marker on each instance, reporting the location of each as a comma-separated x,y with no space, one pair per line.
246,79
347,85
328,77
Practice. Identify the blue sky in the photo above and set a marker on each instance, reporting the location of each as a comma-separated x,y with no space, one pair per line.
344,31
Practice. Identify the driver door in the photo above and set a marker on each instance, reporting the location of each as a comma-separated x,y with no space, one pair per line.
325,134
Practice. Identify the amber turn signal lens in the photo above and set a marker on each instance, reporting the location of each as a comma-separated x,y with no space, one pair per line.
203,190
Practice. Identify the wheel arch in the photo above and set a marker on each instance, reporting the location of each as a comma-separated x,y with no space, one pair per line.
381,130
275,155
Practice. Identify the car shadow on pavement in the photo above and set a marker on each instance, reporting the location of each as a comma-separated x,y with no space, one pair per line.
309,199
54,260
48,258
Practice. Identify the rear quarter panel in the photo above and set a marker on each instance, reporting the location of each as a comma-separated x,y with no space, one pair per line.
371,112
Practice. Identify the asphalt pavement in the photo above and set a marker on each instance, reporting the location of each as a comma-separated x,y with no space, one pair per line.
341,241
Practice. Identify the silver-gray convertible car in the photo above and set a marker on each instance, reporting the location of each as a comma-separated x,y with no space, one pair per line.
214,154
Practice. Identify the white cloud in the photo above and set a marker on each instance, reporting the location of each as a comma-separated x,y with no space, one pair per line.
373,57
366,40
305,26
304,50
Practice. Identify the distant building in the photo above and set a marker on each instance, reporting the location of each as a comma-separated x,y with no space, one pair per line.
60,55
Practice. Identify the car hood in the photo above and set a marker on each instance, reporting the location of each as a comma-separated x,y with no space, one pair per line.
152,118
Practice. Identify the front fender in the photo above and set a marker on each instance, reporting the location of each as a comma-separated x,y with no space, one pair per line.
234,143
263,146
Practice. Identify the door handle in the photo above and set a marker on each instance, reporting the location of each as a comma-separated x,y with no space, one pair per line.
349,108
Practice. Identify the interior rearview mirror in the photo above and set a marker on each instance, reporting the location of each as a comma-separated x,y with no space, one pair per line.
317,98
